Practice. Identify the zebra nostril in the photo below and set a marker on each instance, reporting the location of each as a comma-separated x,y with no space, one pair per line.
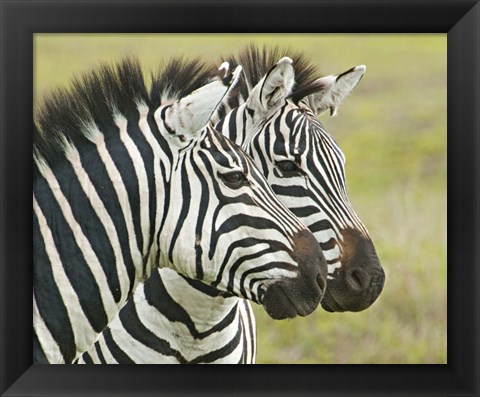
357,279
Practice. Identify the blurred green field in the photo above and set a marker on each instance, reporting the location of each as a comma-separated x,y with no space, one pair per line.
392,130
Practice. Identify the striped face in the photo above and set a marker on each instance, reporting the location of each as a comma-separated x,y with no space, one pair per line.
230,231
306,169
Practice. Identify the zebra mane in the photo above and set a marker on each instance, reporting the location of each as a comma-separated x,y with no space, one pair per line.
66,115
257,61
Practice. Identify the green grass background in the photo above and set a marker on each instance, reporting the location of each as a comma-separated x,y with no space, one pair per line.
392,129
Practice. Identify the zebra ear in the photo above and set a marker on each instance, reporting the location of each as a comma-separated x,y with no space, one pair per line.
188,116
332,90
273,89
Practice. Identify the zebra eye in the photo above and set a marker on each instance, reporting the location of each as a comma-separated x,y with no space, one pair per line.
288,167
234,179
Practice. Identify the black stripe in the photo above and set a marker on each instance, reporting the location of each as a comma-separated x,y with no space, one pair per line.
243,359
279,147
244,128
185,201
204,288
224,323
39,356
290,191
87,359
165,125
49,301
232,125
319,226
290,120
219,126
328,245
344,73
165,207
267,136
304,212
202,211
117,353
256,145
101,358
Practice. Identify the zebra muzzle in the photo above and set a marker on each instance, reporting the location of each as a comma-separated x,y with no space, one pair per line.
301,295
356,285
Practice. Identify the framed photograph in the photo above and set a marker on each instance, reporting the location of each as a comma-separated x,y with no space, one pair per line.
418,101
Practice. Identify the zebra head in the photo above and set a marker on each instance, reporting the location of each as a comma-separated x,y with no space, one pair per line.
306,168
223,225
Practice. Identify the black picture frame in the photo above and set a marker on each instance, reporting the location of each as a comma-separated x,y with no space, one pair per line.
21,19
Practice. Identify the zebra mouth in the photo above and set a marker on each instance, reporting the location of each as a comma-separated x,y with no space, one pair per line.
329,303
283,301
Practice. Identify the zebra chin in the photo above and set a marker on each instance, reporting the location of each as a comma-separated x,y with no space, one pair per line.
301,295
284,300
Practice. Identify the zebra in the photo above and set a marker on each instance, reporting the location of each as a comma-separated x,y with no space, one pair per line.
126,181
127,337
305,166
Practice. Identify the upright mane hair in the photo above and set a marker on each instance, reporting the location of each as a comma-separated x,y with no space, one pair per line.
95,98
257,61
